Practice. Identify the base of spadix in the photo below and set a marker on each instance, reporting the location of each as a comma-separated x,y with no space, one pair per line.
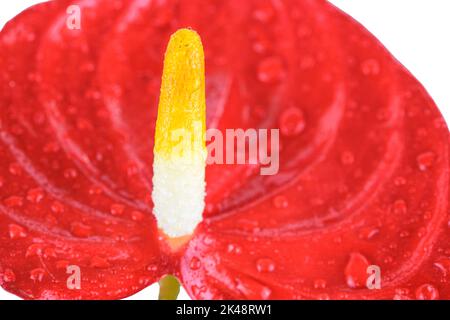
169,288
178,194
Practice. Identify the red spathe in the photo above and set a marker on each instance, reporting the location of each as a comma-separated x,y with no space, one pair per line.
364,165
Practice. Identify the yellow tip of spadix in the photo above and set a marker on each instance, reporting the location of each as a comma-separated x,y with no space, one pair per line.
180,151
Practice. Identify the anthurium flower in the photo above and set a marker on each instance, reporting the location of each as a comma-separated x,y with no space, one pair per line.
363,182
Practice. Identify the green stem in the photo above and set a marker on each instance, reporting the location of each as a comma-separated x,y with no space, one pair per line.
169,288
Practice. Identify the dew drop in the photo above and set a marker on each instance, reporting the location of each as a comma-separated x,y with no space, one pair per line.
208,240
146,280
8,276
261,45
33,250
37,275
320,284
198,290
35,195
404,234
117,209
70,173
49,253
400,207
347,158
265,265
280,202
95,190
370,67
234,248
57,207
400,181
368,233
402,294
264,13
427,292
195,263
443,265
16,231
356,270
13,202
271,70
292,122
426,160
137,216
15,169
252,289
80,230
152,268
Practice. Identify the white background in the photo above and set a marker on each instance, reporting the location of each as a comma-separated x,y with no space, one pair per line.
417,32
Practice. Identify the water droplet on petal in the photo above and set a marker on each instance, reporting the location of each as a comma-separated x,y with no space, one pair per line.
252,289
443,265
195,263
57,207
208,240
37,275
35,249
15,169
152,268
271,70
137,216
80,230
198,290
280,202
400,207
427,292
7,276
95,190
35,195
356,270
117,209
368,233
370,67
70,173
402,294
400,181
16,231
347,158
13,202
292,122
404,234
146,280
320,284
426,160
233,248
265,265
264,13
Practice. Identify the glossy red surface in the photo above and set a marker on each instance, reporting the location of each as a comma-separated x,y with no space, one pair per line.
364,165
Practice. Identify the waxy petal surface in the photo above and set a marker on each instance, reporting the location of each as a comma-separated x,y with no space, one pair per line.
364,164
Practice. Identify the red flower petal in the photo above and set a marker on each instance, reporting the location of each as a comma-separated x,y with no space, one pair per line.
49,219
364,168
